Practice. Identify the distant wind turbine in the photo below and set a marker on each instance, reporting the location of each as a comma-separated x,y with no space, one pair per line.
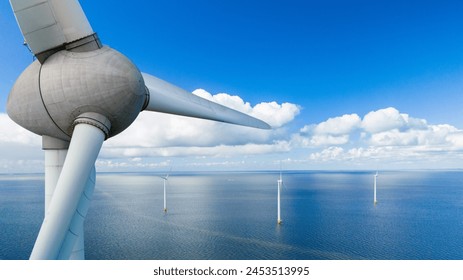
280,184
165,178
374,188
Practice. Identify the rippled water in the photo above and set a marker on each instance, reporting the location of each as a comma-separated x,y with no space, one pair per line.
326,215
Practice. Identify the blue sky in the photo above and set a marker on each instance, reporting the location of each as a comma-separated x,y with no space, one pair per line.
399,61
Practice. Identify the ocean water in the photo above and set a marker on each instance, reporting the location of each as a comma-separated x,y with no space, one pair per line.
232,215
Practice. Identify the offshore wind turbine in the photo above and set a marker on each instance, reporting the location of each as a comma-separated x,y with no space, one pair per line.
77,94
164,179
280,184
374,188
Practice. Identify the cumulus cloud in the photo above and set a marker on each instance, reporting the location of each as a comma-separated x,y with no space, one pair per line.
276,115
339,125
157,134
456,139
420,135
388,119
316,140
20,150
331,153
340,154
163,135
10,132
382,120
334,131
213,151
384,127
385,134
389,156
432,135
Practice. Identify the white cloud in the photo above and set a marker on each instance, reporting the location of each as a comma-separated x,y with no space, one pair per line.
140,163
331,153
10,132
157,134
319,140
20,150
161,135
391,156
334,131
339,125
385,127
213,151
276,115
384,135
383,120
432,135
456,139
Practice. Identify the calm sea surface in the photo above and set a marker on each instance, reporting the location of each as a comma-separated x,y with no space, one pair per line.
326,215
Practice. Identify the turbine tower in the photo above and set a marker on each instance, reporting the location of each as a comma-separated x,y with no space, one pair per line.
280,184
164,178
77,94
374,188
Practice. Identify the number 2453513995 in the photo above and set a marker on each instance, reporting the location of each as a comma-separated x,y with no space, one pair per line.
275,270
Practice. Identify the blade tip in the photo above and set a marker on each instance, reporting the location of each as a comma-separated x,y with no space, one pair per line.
263,125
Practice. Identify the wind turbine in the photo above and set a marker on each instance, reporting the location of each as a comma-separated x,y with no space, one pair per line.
280,184
374,188
165,198
165,178
77,94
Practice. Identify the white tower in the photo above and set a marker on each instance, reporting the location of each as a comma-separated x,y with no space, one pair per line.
165,195
165,198
280,183
374,188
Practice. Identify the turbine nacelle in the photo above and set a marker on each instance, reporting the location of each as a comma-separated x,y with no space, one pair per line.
47,98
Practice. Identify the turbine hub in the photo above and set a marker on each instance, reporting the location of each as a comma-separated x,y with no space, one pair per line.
47,98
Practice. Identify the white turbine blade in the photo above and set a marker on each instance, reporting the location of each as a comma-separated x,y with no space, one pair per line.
64,214
170,170
167,98
47,24
284,185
